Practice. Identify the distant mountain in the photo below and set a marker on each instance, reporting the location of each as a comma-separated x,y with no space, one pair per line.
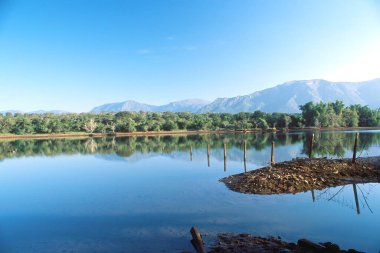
10,111
286,97
128,105
289,96
189,105
58,112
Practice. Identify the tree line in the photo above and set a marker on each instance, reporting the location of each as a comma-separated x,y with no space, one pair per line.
334,114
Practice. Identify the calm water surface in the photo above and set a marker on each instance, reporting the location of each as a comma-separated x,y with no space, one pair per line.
143,194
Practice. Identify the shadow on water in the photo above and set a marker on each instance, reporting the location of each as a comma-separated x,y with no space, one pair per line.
338,195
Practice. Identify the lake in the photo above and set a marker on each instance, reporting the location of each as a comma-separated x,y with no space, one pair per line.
143,194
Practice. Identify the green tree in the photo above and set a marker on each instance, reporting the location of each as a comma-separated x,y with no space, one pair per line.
350,118
169,125
310,114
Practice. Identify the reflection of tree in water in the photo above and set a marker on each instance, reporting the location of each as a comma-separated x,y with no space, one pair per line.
263,141
335,144
91,145
359,200
327,144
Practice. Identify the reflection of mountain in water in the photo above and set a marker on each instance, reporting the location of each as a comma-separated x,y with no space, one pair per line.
132,159
334,144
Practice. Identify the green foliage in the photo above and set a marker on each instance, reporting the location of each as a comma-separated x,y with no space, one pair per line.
350,117
313,115
335,114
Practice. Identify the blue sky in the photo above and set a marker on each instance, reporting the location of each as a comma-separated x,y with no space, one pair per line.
77,54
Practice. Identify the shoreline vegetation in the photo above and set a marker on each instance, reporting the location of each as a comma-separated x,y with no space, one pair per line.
313,116
181,132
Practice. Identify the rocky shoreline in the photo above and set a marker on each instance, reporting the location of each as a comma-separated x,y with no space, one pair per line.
301,175
246,243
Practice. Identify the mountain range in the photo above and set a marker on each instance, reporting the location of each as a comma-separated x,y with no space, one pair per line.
286,97
57,112
188,105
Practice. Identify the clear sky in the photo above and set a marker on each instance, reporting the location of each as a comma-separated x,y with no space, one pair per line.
76,54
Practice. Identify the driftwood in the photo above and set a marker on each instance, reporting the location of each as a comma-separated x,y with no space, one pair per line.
197,241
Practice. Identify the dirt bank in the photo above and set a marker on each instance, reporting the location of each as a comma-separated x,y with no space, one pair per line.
300,175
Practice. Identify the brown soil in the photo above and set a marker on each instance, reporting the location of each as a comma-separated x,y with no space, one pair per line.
246,243
300,175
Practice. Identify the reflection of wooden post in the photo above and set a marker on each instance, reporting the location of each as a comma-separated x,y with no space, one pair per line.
313,195
311,146
191,153
225,156
197,241
356,198
245,156
355,148
272,154
208,155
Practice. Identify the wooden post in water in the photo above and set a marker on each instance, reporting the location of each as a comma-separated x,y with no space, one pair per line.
191,153
197,241
313,195
245,156
225,156
311,146
272,155
356,198
208,155
355,148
